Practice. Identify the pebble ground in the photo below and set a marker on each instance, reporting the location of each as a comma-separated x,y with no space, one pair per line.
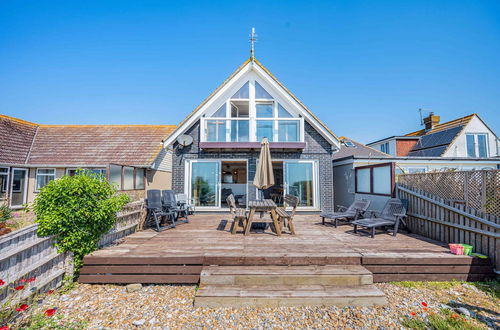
171,307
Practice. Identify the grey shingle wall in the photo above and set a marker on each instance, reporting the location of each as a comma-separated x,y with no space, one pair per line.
317,148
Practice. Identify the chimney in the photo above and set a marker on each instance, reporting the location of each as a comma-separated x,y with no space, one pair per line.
431,121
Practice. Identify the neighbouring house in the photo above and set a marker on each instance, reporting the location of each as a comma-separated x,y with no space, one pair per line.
362,171
466,137
216,147
31,155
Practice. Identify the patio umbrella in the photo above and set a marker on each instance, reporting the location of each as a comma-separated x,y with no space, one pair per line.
264,177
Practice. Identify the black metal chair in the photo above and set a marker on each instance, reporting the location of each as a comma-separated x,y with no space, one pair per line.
156,210
171,207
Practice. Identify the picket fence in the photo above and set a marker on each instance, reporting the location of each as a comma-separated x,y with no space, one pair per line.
23,254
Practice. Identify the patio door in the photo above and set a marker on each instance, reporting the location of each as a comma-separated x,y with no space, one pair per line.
18,187
300,180
204,183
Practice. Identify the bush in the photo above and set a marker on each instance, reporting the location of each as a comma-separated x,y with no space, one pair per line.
78,210
5,213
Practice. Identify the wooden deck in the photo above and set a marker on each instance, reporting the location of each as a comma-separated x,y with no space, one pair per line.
178,255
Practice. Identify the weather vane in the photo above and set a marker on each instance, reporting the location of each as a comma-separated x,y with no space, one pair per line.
253,39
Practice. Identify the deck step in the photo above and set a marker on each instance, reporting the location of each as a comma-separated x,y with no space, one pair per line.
330,275
235,296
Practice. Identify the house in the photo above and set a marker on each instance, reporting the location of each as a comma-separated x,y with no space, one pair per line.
466,137
31,155
216,147
362,171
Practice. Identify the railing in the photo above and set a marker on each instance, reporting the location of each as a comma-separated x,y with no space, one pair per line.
24,254
442,219
252,130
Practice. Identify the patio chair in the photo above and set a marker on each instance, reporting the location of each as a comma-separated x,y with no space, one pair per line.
346,214
239,214
391,215
285,218
186,203
172,208
156,211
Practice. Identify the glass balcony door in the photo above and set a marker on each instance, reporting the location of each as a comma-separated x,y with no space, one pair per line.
204,183
300,181
18,187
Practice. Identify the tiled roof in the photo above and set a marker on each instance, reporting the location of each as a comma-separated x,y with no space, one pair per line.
440,127
16,137
358,151
80,145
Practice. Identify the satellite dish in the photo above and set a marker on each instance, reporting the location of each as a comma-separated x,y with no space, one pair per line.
184,140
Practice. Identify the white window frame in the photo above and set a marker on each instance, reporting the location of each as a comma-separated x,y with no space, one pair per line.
252,115
6,182
476,145
385,146
26,174
43,174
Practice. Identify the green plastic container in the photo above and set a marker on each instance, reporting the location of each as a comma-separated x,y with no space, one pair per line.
467,249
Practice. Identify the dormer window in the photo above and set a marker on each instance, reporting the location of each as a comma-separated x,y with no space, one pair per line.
251,114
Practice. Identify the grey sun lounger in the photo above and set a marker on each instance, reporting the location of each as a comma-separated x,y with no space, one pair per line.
352,212
391,215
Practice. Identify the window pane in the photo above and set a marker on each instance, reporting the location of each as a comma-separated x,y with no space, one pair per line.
139,178
471,149
216,130
299,182
283,113
4,170
288,131
204,183
264,110
221,112
115,176
128,178
242,93
45,171
239,130
363,180
264,129
3,185
261,93
481,146
43,180
382,180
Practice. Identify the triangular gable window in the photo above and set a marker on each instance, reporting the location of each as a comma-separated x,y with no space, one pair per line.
283,113
243,93
261,93
221,113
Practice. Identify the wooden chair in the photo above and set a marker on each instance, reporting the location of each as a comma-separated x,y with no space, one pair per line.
239,214
285,218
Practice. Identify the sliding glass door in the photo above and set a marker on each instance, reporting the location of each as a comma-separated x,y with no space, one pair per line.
18,187
205,182
300,181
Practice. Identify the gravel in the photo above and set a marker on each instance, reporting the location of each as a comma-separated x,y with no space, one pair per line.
171,307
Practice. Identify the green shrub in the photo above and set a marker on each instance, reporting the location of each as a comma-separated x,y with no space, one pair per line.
5,213
78,210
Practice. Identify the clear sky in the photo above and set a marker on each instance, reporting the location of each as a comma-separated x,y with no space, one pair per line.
364,67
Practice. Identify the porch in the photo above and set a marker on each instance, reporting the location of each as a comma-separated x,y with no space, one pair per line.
179,255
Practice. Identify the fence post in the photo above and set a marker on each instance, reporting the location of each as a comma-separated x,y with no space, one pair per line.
483,191
466,189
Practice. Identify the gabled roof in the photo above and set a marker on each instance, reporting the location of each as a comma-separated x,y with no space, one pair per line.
358,151
81,145
196,113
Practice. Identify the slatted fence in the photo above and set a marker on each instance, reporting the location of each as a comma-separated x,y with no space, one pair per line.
444,220
23,254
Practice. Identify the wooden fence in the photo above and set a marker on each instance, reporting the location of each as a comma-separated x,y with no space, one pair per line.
446,221
23,254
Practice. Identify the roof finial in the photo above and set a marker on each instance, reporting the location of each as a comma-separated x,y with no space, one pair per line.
253,39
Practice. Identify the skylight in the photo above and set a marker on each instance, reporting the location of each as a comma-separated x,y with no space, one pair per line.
349,144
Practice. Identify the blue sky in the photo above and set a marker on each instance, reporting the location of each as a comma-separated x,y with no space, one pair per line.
364,67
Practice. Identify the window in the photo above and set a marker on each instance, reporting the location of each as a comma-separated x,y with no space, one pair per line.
349,144
4,180
477,145
249,115
139,178
44,176
375,179
128,178
384,147
115,176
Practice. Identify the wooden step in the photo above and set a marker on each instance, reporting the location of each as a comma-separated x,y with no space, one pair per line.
236,296
335,275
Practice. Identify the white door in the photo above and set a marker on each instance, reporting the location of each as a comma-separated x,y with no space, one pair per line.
204,183
18,187
300,181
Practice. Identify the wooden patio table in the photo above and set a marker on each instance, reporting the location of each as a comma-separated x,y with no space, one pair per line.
265,205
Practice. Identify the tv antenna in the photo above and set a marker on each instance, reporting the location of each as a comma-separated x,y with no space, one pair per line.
253,39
